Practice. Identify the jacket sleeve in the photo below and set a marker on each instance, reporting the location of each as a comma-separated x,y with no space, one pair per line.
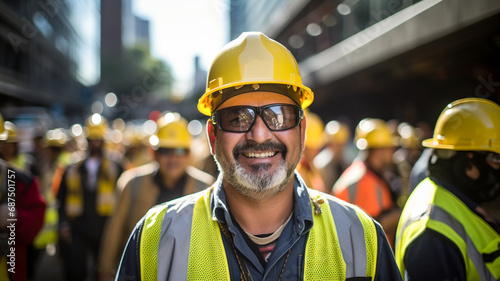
30,208
129,268
387,268
431,256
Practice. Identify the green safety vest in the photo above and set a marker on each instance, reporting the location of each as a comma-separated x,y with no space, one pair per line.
206,257
431,206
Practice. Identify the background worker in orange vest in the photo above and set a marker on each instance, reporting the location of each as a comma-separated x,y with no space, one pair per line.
86,200
168,177
363,182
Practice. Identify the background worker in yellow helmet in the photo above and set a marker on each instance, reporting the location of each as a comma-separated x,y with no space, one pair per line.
313,145
444,233
10,150
259,221
332,160
135,145
363,183
86,200
24,223
168,177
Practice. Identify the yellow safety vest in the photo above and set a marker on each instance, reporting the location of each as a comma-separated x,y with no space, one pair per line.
431,206
207,257
106,182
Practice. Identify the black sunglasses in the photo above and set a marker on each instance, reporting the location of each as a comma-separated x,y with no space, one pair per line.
172,151
240,119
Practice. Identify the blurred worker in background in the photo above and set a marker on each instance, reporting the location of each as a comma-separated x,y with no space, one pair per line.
444,233
86,200
51,171
10,150
54,144
136,151
168,177
21,220
313,145
259,221
363,182
331,161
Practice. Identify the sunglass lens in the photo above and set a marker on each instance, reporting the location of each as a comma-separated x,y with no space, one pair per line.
280,117
236,119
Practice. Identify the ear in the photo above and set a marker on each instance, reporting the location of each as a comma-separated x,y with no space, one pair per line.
303,127
211,131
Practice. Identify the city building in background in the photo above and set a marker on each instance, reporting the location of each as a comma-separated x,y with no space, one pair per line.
48,58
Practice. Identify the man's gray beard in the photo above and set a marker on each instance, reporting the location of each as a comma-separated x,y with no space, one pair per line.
259,183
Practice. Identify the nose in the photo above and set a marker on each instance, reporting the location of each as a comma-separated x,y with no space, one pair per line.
259,131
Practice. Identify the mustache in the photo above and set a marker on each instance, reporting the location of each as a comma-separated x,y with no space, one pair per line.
254,146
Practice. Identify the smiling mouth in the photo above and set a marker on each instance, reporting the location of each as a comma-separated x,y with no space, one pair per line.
259,154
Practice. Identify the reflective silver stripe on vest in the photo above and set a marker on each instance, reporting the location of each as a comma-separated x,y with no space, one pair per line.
175,242
351,236
441,215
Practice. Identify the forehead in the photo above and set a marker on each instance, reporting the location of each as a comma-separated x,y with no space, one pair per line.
256,98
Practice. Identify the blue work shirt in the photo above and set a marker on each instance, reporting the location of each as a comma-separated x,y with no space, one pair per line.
281,265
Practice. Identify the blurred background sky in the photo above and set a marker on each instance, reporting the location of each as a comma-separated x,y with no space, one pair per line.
181,30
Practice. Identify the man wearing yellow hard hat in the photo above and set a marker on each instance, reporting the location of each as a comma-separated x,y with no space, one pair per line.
168,177
22,211
259,221
444,232
86,200
363,182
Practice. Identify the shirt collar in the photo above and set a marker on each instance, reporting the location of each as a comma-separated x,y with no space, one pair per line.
302,213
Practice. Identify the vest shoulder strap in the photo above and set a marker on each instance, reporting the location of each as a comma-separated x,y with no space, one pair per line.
150,239
324,233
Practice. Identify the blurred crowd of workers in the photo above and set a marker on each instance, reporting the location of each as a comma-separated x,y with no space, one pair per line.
80,196
98,184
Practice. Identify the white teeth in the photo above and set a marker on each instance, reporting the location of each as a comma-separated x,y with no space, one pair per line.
260,155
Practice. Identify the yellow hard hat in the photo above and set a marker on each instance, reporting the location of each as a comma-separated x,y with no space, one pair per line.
314,131
11,130
55,138
337,132
3,133
469,124
373,133
253,62
172,132
96,127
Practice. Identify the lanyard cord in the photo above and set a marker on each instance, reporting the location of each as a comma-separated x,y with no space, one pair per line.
245,273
